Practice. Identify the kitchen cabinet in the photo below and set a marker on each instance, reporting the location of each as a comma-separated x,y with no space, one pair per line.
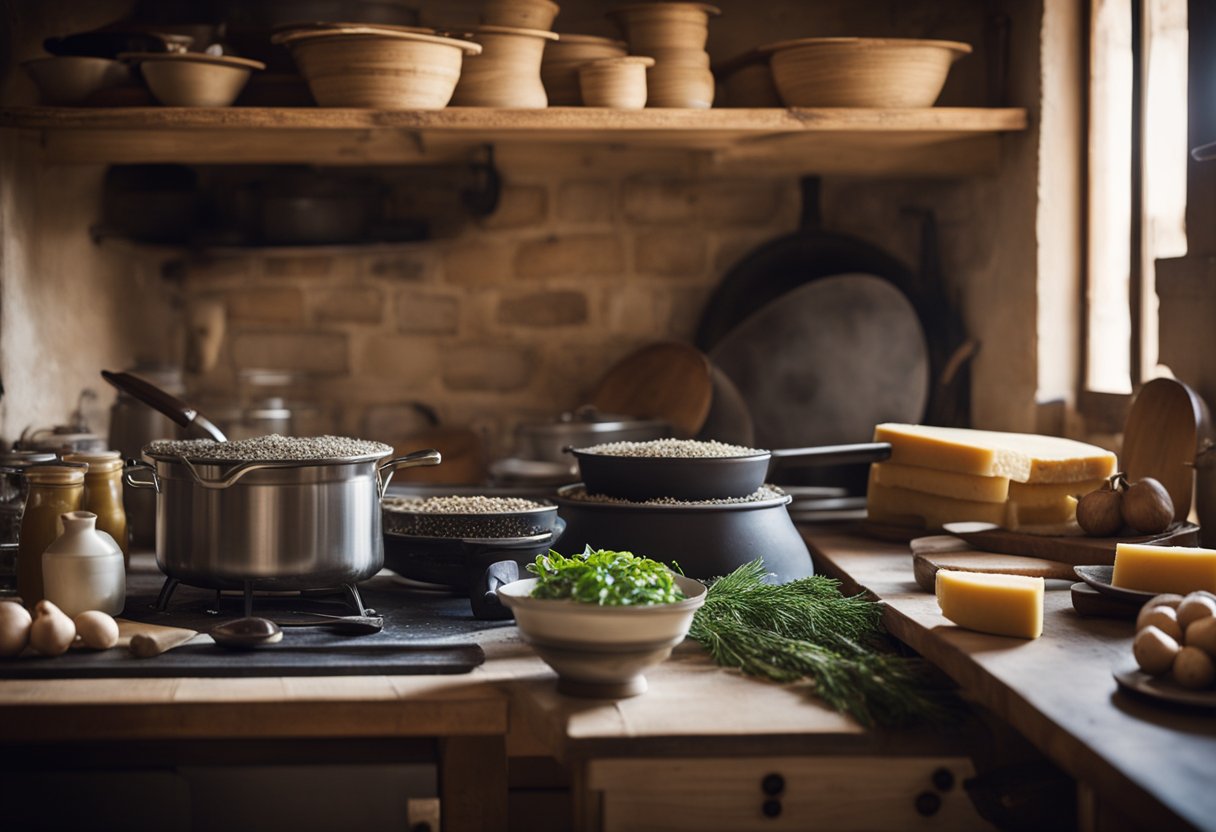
943,141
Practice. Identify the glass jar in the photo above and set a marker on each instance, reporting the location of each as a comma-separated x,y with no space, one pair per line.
54,490
13,493
103,495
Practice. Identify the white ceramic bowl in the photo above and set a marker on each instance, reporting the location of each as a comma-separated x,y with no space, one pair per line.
71,79
601,651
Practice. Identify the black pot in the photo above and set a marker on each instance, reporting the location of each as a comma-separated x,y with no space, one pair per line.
477,566
703,540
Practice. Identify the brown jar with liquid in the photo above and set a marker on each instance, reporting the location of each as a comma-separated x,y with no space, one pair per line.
103,495
54,490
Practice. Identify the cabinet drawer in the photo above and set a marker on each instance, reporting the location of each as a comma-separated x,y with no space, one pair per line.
776,793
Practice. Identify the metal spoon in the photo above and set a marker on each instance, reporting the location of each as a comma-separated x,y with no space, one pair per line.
353,625
246,633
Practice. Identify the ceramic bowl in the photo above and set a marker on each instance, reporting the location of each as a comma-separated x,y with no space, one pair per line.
862,72
71,79
507,72
378,67
562,58
524,14
193,79
618,83
601,651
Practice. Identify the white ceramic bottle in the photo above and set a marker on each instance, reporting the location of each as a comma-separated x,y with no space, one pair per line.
83,568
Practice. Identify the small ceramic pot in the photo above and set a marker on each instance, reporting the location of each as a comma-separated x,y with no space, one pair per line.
619,83
507,72
650,26
679,85
83,568
523,14
559,67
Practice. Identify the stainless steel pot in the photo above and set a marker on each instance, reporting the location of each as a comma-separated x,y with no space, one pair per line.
270,525
547,441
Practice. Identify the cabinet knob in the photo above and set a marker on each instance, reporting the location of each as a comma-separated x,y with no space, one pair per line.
928,804
771,808
772,784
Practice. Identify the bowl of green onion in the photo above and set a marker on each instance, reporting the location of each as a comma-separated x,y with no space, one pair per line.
601,618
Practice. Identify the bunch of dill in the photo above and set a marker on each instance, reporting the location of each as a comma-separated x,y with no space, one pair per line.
808,630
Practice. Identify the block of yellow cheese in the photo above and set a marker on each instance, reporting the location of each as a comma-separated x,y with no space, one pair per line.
979,488
1005,605
895,505
1021,457
1179,569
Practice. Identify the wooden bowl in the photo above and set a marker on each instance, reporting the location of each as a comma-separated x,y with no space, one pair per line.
862,72
193,79
507,72
651,26
378,67
562,58
619,83
522,14
71,79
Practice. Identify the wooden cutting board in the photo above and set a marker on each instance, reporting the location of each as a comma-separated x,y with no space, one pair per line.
1161,437
670,380
927,560
1076,550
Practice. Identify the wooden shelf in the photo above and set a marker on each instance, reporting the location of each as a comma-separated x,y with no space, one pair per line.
931,141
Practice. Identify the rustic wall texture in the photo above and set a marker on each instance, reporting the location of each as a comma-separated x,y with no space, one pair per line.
591,254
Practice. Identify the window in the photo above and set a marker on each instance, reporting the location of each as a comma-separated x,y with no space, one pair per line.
1136,175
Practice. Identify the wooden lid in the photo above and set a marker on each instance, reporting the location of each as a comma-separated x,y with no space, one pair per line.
192,57
301,35
670,380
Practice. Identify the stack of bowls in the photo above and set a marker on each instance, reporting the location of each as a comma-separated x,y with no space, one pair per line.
507,72
562,59
378,66
674,34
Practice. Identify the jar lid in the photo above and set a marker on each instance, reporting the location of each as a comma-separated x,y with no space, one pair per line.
55,475
20,459
99,462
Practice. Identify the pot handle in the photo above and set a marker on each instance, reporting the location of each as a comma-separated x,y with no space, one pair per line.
483,594
834,454
418,458
134,465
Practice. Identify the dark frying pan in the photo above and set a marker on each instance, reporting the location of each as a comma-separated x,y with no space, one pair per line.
787,262
707,478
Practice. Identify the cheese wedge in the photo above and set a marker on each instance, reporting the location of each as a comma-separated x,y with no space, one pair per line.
1180,569
1021,457
1005,605
943,483
979,488
884,504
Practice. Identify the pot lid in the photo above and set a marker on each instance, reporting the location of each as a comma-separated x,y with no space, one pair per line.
20,459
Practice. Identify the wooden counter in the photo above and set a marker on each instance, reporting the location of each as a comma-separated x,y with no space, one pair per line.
1155,764
715,729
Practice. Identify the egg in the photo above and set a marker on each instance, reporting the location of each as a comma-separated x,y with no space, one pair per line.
14,628
1154,650
52,632
97,629
1202,634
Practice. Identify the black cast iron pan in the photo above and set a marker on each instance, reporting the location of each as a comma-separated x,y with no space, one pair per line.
476,566
640,478
787,262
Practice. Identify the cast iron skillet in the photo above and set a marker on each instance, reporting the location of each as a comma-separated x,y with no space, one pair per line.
787,262
707,478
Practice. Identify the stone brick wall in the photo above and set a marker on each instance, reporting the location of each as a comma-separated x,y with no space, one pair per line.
512,316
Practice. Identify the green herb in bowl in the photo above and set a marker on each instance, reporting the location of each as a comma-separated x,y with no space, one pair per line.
604,577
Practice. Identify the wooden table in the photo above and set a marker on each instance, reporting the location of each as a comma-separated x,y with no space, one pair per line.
1154,763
